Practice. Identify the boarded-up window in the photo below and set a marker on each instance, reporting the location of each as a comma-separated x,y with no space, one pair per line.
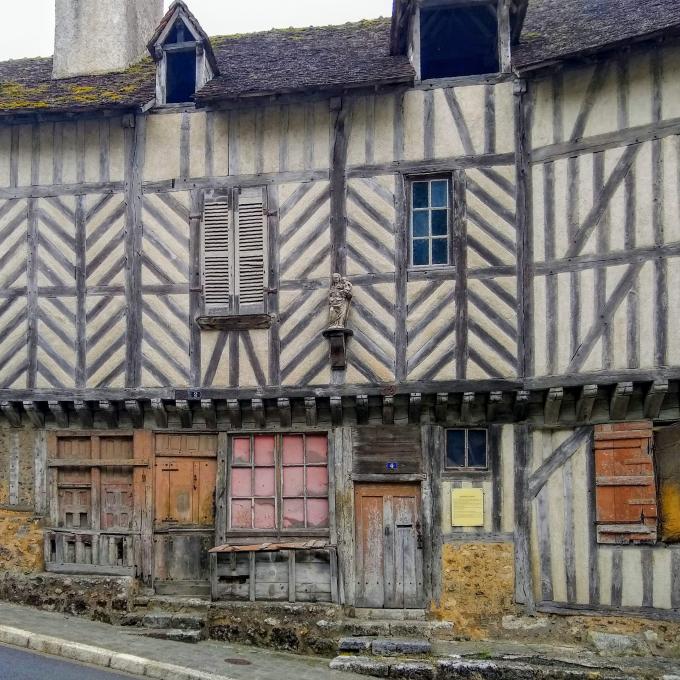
234,252
625,483
279,482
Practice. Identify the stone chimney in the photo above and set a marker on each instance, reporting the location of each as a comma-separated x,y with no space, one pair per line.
102,36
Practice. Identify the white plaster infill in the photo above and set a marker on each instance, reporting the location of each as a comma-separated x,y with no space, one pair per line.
98,656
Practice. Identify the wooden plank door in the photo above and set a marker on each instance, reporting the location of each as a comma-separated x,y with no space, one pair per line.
185,489
389,568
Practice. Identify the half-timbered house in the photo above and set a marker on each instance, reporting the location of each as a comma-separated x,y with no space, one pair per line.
490,422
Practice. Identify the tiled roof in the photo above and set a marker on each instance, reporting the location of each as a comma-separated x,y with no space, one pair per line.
278,61
559,29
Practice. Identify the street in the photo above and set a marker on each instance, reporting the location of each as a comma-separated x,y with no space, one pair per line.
18,664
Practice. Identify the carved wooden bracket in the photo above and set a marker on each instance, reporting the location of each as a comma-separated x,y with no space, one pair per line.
338,339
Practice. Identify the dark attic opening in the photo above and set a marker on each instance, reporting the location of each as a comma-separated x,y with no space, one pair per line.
458,41
181,77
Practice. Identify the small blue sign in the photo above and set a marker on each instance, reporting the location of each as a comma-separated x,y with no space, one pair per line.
392,466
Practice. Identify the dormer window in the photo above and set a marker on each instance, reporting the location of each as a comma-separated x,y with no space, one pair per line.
458,38
184,56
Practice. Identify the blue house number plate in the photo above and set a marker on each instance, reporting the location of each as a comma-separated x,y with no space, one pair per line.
392,466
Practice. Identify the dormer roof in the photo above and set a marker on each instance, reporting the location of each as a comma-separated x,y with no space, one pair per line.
179,10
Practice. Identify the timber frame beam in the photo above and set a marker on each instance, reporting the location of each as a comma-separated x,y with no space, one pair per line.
555,406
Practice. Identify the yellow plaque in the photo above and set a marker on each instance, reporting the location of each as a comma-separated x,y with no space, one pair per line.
467,507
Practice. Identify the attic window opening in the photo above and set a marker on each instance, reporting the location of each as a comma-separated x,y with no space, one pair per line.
181,76
459,41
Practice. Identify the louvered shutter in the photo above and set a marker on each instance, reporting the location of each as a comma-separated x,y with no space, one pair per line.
217,258
250,251
625,483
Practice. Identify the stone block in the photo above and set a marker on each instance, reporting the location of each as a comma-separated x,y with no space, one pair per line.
389,647
524,623
126,663
94,656
354,644
361,665
45,645
14,636
617,645
413,670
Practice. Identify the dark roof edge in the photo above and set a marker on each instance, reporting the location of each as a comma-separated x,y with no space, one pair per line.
310,91
627,42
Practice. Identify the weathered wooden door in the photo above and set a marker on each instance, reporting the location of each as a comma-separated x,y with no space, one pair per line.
186,470
389,565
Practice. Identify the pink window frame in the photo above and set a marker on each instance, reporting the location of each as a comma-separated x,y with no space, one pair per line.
279,496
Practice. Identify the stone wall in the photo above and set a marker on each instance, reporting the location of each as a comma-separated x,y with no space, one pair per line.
101,598
21,542
478,582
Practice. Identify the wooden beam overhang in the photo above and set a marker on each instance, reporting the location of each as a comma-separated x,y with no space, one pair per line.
550,406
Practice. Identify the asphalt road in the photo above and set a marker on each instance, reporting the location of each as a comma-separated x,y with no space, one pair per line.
17,664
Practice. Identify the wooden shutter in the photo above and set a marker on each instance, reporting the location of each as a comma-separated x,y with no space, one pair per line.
250,252
625,483
667,454
217,258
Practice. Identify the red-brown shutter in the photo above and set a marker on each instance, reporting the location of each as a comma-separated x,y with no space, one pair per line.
625,484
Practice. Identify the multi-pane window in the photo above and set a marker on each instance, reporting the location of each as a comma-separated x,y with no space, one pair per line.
430,219
466,449
279,482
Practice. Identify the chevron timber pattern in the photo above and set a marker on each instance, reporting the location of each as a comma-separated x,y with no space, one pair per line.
165,341
165,250
304,230
105,245
106,332
13,251
431,330
13,347
304,352
371,353
370,225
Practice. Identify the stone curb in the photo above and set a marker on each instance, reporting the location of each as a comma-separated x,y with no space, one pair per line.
98,656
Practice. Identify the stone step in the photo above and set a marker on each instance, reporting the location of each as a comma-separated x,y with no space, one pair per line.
385,646
174,634
455,669
366,614
164,620
196,589
399,629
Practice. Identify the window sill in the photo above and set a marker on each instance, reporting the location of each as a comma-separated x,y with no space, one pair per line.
235,322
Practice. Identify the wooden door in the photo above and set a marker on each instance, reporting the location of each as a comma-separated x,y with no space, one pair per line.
185,489
667,454
389,565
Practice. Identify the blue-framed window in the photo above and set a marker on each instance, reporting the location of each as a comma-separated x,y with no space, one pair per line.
430,222
467,449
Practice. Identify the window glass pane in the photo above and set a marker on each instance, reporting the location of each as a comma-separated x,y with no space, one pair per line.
264,482
440,251
265,514
455,448
241,482
421,252
317,513
317,481
421,223
421,198
264,450
440,223
440,190
293,450
293,481
241,515
242,450
317,449
293,513
477,448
